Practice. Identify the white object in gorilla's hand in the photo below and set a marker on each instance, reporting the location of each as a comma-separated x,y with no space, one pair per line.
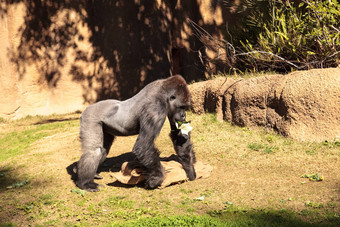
185,127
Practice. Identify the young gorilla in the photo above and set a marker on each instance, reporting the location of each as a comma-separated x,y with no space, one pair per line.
143,114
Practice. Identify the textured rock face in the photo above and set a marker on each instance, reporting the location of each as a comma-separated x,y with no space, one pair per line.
60,56
246,101
311,104
208,96
303,105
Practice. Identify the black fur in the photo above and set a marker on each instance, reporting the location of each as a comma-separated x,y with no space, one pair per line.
185,152
143,114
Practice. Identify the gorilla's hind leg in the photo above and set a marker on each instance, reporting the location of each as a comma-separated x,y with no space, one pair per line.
87,168
108,140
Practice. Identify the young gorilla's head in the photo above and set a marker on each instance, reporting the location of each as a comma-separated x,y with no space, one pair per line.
178,98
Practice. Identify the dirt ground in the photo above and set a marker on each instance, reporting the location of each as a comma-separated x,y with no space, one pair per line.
245,177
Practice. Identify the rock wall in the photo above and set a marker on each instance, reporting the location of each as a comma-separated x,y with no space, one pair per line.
23,88
59,56
303,105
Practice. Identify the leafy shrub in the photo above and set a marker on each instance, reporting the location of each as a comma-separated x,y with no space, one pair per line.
284,35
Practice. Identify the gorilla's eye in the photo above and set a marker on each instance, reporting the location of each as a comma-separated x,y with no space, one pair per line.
172,97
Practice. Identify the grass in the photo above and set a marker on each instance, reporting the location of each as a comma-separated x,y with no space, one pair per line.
16,142
256,179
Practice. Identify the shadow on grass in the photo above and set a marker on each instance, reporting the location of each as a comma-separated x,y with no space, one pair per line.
271,217
244,218
47,121
112,164
7,178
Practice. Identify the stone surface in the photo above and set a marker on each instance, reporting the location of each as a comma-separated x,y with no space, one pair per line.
60,56
308,105
207,96
304,105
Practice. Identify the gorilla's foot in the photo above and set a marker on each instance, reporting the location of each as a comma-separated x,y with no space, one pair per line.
154,179
90,187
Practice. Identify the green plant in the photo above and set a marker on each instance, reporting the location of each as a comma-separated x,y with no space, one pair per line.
313,177
255,146
310,152
313,204
18,184
269,149
118,201
186,191
176,221
78,191
284,35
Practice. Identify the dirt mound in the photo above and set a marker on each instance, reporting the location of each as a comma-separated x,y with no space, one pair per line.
303,105
207,96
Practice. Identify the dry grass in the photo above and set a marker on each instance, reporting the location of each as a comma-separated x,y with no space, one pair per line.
253,170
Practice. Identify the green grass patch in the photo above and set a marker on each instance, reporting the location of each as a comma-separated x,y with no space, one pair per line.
238,155
230,217
174,221
15,143
267,149
118,202
235,216
255,146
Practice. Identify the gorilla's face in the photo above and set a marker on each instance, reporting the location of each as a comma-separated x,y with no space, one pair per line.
177,108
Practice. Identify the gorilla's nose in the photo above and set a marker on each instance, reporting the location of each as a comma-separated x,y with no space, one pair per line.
183,116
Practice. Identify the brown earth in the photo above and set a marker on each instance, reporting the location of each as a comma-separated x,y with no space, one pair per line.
247,178
303,105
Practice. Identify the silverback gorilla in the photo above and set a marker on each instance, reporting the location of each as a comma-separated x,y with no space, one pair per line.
143,114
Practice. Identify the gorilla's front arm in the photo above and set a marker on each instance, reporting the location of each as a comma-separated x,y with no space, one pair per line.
184,150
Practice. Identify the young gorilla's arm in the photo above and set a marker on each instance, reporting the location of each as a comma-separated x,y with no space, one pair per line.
184,150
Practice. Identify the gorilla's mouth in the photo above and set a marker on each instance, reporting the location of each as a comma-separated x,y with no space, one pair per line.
184,126
180,123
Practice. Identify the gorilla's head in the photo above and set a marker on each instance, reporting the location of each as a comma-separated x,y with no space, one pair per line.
178,98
